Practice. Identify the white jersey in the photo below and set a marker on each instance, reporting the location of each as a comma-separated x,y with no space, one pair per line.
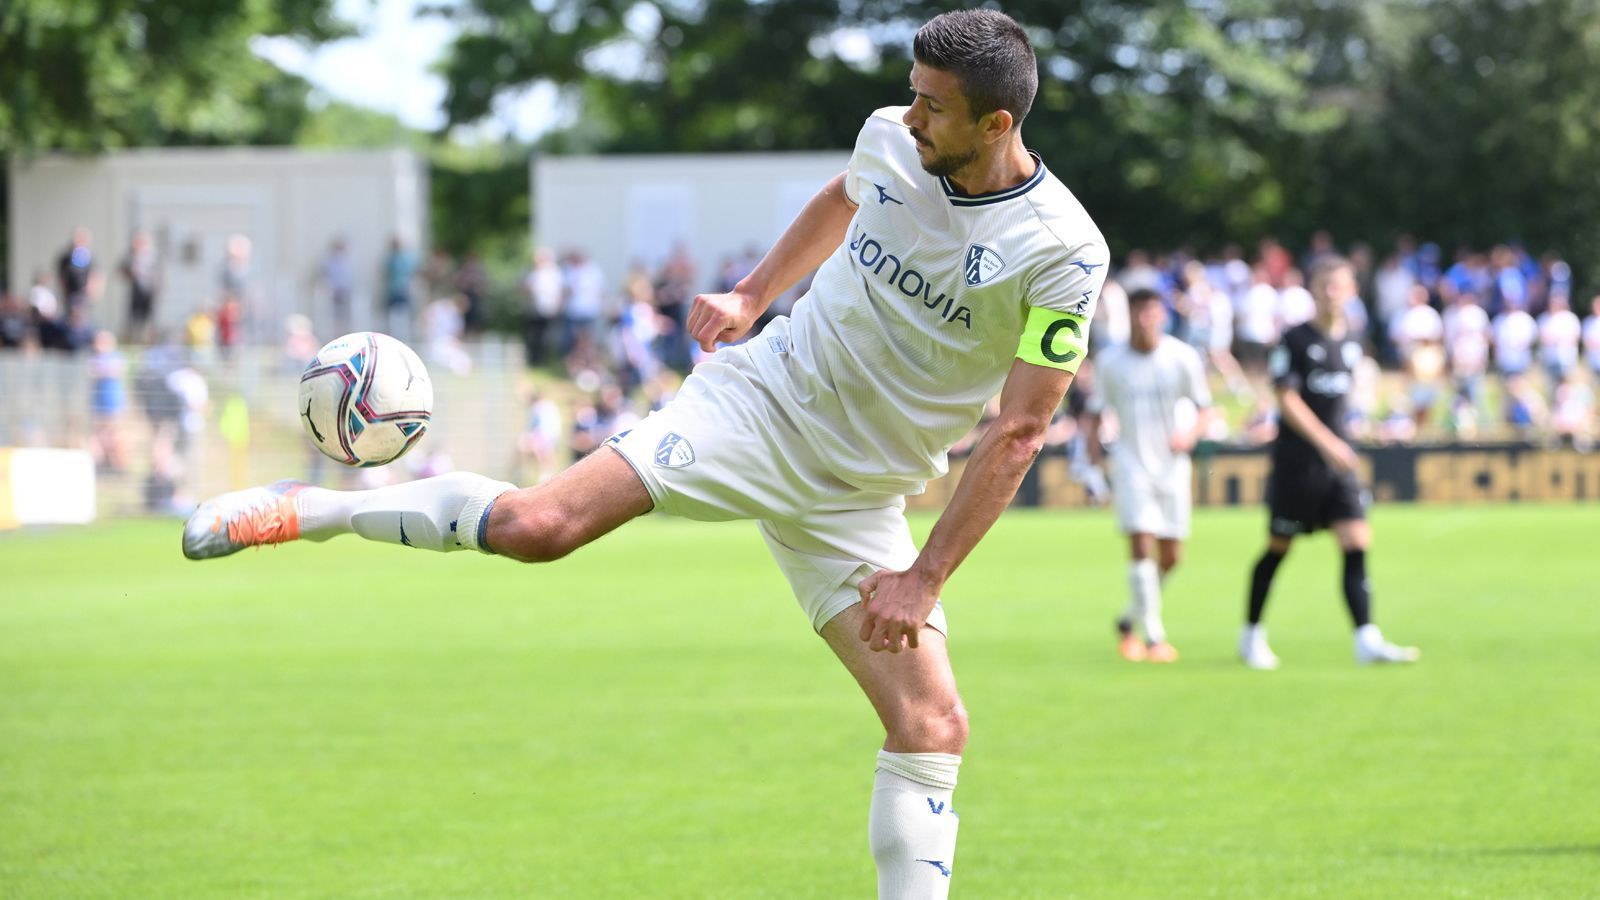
1144,390
912,324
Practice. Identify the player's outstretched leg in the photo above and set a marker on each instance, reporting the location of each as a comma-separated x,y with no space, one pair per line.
459,511
912,824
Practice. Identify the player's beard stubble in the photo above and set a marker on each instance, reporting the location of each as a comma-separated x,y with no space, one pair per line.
942,164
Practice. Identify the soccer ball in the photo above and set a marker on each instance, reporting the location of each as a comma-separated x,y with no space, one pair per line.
365,399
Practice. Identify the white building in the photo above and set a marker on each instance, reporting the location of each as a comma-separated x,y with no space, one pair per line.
290,204
628,208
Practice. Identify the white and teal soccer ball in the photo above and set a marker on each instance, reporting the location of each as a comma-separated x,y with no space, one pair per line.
365,399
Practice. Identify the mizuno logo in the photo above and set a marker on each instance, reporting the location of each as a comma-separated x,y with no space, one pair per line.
1087,267
883,195
938,864
935,809
312,425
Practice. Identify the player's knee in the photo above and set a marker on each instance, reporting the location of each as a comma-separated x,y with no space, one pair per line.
1171,555
933,727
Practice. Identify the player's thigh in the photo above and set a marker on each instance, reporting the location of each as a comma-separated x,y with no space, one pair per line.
550,520
1353,534
913,691
722,449
825,555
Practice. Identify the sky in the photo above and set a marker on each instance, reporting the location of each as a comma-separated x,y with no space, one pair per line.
388,68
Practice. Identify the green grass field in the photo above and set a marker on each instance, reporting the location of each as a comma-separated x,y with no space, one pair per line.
654,718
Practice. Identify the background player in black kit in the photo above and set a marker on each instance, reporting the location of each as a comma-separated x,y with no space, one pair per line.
1313,483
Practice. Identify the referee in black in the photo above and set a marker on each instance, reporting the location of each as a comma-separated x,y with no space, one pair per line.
1313,484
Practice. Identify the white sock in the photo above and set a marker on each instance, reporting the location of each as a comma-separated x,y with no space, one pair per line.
912,825
443,513
1144,581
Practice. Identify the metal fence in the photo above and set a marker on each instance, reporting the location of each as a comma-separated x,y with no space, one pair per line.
169,427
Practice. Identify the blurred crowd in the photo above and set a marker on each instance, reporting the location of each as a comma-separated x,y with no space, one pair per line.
1479,344
1473,344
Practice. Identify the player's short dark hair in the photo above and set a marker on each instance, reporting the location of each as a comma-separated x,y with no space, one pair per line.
1142,295
989,53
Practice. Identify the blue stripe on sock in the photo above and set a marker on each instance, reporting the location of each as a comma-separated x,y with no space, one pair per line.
483,527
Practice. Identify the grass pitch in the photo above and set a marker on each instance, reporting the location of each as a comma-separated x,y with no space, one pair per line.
653,718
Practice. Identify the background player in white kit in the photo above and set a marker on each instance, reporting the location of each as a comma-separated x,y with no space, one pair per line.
954,267
1156,386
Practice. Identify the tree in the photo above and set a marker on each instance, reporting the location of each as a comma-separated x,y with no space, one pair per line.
1161,115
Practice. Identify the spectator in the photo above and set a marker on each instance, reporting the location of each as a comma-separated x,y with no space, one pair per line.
586,287
1257,322
142,270
540,439
472,283
1211,326
542,289
1560,333
1294,301
1393,286
75,270
230,324
1572,415
399,273
1514,336
1525,409
1418,336
44,313
1111,324
1140,274
16,325
1591,336
1467,335
108,399
338,278
445,320
236,267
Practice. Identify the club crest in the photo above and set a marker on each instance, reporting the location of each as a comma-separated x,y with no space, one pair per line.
982,265
674,451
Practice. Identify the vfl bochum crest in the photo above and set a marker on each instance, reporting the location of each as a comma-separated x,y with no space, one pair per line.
674,451
982,265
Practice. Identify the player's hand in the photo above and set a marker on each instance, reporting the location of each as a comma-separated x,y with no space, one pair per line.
1341,457
897,605
720,318
1181,441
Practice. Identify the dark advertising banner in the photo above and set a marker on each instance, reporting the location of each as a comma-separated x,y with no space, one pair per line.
1449,473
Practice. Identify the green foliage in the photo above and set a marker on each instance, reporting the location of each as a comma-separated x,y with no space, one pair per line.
93,75
1176,121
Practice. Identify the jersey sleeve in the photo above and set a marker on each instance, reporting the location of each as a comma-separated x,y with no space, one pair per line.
870,146
1061,302
1285,365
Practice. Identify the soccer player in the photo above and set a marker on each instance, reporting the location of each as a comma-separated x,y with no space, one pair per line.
954,266
1144,383
1313,483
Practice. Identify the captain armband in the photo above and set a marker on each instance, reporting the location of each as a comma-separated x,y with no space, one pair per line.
1054,339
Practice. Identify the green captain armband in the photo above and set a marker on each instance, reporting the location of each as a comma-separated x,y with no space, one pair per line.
1054,339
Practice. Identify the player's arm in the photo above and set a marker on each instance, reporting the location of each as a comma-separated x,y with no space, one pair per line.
898,603
1295,414
809,239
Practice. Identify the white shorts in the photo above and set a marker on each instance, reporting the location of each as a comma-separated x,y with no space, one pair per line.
724,449
1149,504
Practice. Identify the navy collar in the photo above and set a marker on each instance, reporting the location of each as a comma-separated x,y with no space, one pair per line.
957,198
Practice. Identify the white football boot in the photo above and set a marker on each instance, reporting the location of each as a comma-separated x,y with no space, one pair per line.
1253,649
253,517
1372,648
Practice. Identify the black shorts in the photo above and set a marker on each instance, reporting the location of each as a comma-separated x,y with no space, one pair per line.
1304,499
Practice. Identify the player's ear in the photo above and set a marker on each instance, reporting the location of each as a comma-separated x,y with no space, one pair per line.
995,125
